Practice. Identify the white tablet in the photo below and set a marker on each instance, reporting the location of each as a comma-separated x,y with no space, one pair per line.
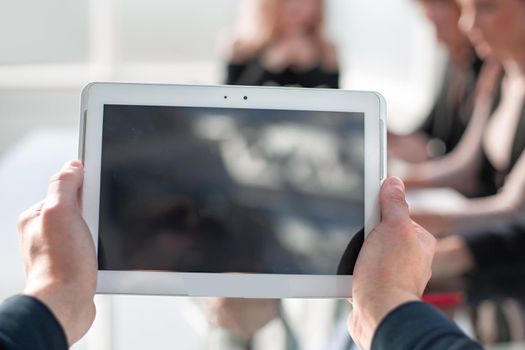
230,191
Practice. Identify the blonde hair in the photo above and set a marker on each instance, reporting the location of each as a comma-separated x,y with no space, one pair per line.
258,27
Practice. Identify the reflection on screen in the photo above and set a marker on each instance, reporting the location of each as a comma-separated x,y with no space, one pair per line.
192,189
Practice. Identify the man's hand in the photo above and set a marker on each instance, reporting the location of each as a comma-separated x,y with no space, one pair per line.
243,317
393,267
59,254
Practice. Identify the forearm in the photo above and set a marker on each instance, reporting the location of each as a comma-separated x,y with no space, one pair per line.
416,325
411,148
481,212
460,168
448,171
28,324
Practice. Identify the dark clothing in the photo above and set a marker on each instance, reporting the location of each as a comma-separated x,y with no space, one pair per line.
492,178
499,277
253,73
419,326
500,263
453,107
27,324
502,244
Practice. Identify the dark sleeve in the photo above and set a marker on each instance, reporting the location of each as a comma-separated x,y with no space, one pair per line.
27,324
429,125
500,244
419,326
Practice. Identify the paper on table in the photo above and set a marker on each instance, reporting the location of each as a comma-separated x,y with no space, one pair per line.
436,199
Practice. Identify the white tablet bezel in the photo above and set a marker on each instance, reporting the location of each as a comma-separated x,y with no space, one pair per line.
96,95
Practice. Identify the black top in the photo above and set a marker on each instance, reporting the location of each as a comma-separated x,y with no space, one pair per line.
419,326
453,107
500,263
501,244
254,73
493,179
27,324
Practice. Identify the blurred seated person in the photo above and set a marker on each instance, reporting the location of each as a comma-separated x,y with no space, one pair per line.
282,43
444,126
488,265
489,161
500,245
278,43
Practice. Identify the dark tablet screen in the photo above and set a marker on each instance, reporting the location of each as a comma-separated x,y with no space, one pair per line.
191,189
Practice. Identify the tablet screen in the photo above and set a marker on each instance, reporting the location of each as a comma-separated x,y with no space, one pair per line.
192,189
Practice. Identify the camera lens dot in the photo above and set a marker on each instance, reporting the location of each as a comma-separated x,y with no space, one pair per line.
245,97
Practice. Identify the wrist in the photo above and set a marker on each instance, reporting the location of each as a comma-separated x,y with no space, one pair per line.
376,308
73,312
368,315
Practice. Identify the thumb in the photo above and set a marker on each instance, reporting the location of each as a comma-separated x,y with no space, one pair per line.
392,200
64,186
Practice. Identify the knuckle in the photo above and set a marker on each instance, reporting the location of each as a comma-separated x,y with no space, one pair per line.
23,220
27,216
426,237
63,175
52,210
400,224
398,197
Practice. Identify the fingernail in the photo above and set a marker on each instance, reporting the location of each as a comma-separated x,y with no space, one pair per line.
397,183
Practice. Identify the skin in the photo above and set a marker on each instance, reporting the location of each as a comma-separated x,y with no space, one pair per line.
393,267
452,258
59,254
444,16
294,45
295,16
497,23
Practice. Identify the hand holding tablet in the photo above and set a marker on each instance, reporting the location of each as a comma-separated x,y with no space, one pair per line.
230,191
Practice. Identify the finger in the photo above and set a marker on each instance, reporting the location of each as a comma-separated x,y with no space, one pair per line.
64,186
392,200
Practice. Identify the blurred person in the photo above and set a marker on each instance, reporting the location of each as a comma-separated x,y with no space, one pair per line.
277,43
56,307
488,266
496,246
491,151
282,43
444,126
